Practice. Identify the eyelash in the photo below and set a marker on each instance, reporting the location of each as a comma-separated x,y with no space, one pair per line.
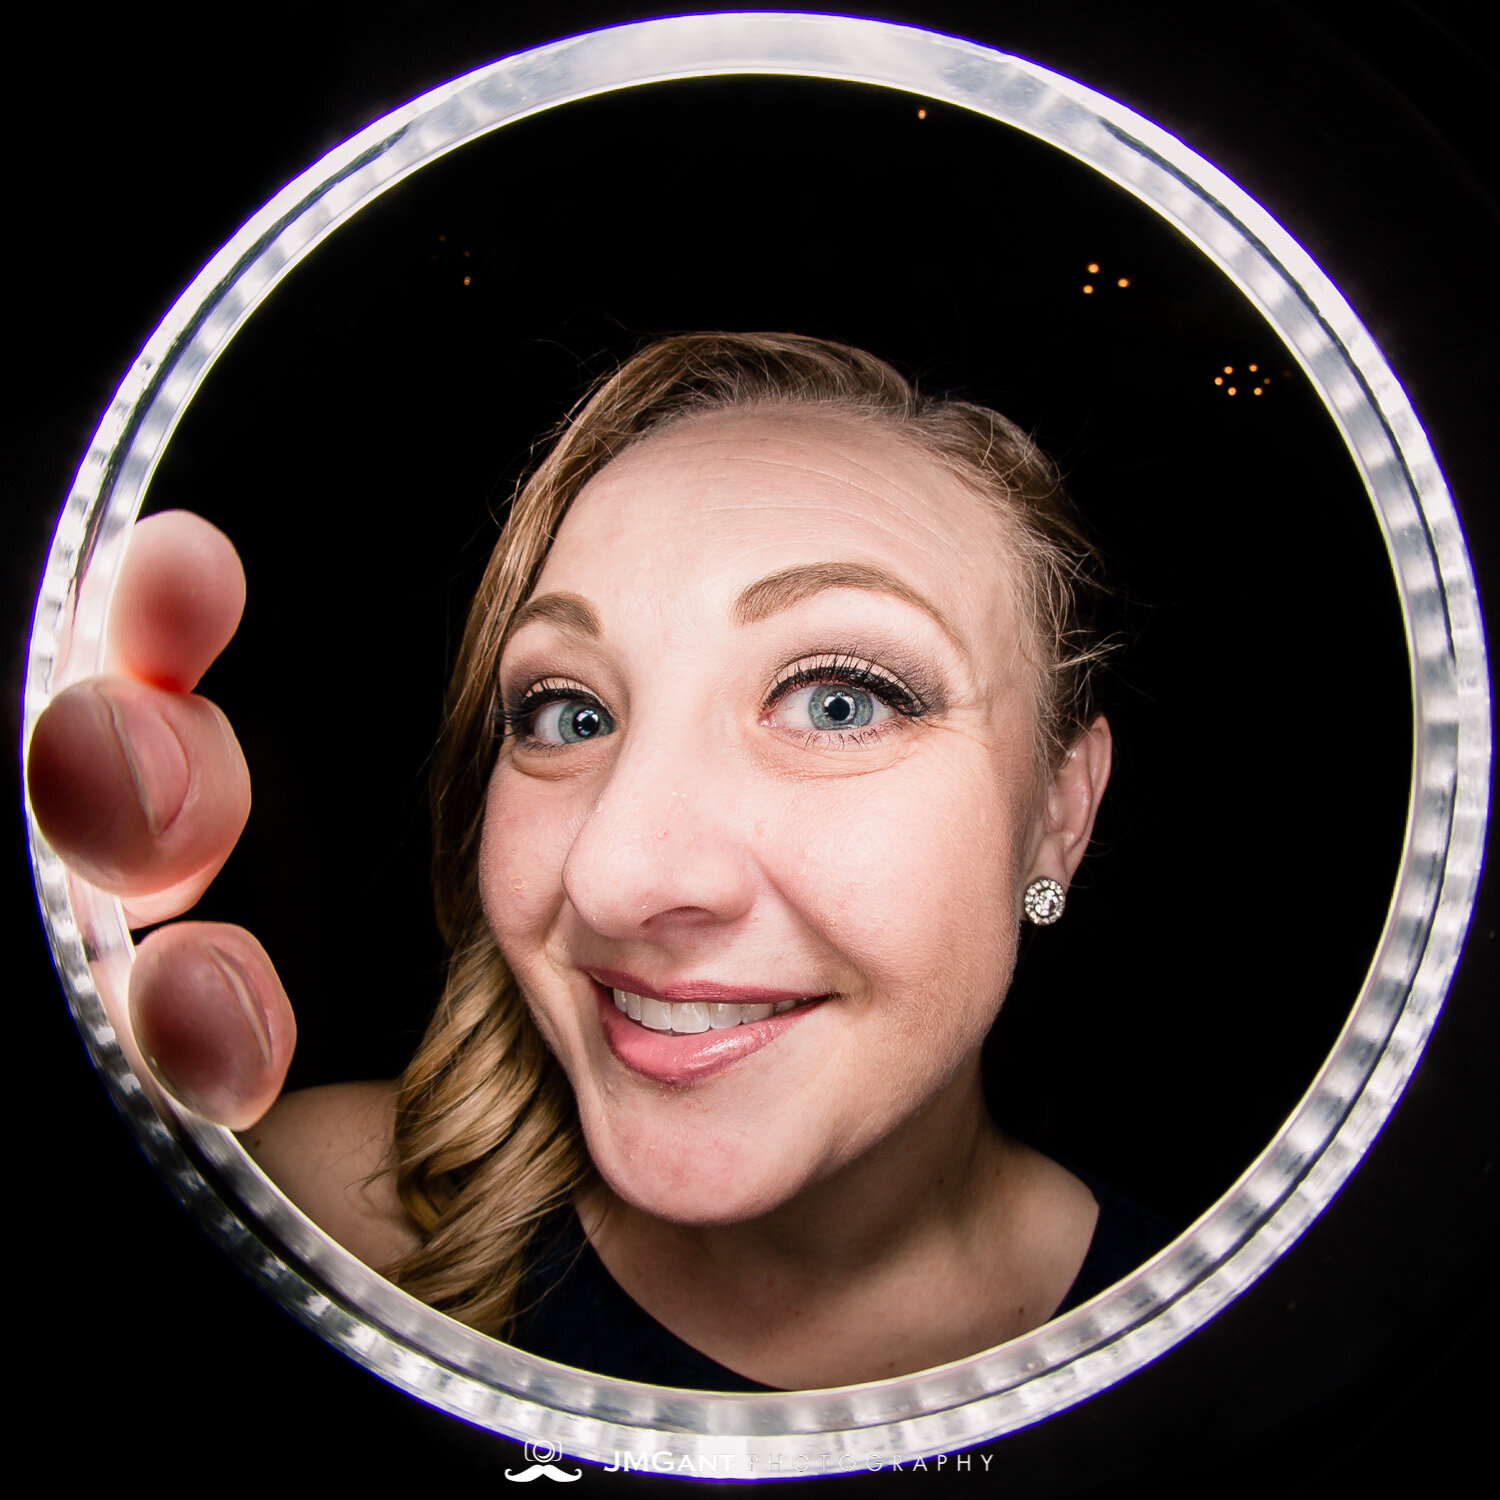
515,719
847,671
850,672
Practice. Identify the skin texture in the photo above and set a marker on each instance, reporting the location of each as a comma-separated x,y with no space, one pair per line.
140,785
835,1206
716,837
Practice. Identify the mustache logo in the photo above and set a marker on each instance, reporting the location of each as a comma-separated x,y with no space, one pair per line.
540,1456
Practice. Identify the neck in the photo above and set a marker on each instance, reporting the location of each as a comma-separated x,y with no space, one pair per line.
918,1207
943,1239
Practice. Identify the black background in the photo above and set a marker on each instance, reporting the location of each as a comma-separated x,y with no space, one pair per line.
1356,1359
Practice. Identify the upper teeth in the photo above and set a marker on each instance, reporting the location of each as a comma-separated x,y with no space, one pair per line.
694,1015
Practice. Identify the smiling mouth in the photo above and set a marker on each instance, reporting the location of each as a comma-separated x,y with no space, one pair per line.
689,1017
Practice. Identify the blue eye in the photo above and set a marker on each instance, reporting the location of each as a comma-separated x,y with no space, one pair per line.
831,707
570,721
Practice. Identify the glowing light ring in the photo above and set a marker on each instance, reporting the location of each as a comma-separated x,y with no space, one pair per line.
958,1405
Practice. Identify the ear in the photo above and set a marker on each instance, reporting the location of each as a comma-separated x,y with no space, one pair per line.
1071,802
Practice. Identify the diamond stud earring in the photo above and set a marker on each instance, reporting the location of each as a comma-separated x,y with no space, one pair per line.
1044,901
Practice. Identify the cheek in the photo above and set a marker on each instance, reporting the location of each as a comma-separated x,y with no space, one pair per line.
522,849
916,884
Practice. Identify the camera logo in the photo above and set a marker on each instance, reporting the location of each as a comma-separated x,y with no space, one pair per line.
540,1456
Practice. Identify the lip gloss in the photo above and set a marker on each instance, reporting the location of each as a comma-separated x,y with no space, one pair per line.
667,1058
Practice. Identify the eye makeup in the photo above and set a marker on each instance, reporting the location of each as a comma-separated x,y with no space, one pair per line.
518,714
911,690
840,700
849,671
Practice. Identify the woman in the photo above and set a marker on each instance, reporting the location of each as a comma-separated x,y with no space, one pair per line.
771,722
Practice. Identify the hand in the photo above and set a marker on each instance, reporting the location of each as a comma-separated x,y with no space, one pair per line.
140,786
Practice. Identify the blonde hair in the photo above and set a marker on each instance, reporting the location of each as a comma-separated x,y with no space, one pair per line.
487,1135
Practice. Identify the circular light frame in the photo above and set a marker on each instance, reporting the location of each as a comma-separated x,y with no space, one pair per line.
972,1400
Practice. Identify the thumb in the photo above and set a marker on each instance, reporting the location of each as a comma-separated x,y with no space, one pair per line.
212,1020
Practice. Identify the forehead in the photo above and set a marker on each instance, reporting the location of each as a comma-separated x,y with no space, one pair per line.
714,502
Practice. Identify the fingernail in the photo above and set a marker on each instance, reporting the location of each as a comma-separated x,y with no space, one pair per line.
244,995
197,1044
153,755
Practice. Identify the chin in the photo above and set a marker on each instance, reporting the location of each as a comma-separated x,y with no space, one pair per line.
695,1205
705,1184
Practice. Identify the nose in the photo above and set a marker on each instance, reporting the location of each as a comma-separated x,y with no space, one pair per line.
662,849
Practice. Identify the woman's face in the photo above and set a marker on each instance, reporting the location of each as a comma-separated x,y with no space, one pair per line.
773,743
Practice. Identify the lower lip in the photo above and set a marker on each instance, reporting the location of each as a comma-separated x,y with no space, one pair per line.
665,1057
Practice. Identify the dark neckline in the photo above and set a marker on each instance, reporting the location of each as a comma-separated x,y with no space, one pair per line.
575,1313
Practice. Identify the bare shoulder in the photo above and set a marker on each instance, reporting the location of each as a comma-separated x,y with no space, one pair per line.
1059,1205
329,1150
1044,1225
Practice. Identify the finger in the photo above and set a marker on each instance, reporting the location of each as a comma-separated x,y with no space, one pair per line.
212,1020
142,792
178,599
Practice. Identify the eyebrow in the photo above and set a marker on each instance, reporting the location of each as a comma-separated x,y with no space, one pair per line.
570,611
782,590
757,601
